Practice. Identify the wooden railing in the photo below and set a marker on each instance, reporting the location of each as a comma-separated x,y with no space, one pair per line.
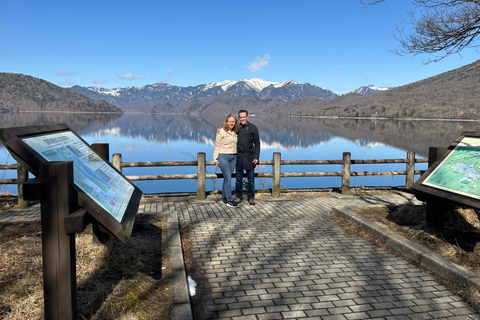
276,173
201,176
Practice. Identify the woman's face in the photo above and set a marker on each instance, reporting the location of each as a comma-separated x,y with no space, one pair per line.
231,122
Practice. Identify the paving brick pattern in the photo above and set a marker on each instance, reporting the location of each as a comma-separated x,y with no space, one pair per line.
288,260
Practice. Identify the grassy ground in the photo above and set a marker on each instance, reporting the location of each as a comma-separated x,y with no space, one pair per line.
114,281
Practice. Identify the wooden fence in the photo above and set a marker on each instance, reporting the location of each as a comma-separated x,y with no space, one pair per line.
276,173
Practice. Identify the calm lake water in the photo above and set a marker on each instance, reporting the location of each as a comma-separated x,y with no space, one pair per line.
164,137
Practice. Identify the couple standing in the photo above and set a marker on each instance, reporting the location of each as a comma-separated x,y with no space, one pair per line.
237,146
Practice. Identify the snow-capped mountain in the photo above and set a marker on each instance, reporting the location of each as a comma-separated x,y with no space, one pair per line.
163,92
370,89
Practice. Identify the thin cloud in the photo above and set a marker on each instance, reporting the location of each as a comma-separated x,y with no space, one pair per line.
168,72
259,63
338,68
130,76
98,81
63,73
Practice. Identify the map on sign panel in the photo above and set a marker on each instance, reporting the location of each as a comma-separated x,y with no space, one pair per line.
90,173
459,172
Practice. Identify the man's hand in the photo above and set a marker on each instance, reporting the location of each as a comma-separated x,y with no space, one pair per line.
255,161
218,130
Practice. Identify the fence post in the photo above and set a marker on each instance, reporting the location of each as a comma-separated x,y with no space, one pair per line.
276,170
347,160
410,176
102,149
117,161
201,175
22,176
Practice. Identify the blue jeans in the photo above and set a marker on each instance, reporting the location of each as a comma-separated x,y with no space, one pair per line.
250,184
227,164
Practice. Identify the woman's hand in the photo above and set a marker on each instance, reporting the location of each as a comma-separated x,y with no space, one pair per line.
217,164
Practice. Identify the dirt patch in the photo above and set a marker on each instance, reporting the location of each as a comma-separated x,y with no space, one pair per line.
114,281
7,201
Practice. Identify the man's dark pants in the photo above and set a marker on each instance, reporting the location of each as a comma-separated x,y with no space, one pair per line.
250,184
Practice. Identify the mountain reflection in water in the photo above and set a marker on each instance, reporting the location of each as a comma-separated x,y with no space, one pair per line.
167,137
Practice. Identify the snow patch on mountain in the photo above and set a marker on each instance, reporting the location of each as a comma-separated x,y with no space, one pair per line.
115,92
257,84
370,89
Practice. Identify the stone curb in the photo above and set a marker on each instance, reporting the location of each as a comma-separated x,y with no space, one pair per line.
422,256
181,308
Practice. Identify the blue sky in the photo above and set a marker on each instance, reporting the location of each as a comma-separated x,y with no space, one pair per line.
339,44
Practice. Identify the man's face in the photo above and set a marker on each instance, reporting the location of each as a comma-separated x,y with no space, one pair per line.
243,117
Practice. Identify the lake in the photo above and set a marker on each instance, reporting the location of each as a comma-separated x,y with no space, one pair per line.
167,137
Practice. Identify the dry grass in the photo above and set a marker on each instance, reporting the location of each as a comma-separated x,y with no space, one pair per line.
118,281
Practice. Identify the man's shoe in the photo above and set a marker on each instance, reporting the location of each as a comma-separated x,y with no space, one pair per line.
237,200
251,202
232,204
224,200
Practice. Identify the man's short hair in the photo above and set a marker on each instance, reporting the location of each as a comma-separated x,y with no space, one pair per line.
243,111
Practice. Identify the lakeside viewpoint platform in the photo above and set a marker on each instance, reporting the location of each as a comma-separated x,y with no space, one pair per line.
286,259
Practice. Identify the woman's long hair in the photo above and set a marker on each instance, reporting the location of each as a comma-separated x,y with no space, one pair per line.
227,128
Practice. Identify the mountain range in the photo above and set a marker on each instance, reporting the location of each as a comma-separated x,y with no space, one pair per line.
453,94
19,92
132,98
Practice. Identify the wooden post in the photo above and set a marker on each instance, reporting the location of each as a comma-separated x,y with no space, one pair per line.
435,154
102,149
117,161
347,160
276,170
22,177
201,176
410,176
58,247
100,234
435,211
436,207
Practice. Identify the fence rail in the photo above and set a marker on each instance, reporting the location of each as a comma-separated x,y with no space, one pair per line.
201,176
276,173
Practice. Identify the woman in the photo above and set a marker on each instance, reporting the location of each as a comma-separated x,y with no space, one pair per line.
225,156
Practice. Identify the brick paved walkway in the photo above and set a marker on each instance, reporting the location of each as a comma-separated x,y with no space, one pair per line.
288,260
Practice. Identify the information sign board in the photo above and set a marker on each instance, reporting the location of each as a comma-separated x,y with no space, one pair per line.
107,195
456,176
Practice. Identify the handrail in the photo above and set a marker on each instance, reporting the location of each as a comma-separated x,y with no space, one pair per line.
275,175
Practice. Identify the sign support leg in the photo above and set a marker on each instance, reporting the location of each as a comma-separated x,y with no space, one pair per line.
58,247
436,209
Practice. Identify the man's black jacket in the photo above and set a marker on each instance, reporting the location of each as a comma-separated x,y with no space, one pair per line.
248,146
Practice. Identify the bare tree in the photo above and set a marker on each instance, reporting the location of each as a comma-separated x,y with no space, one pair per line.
439,27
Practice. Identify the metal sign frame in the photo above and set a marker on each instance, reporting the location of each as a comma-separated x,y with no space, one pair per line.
444,192
15,140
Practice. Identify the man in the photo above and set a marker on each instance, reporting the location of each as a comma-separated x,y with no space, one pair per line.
248,153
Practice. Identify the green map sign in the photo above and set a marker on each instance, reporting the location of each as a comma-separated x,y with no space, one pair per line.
459,172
